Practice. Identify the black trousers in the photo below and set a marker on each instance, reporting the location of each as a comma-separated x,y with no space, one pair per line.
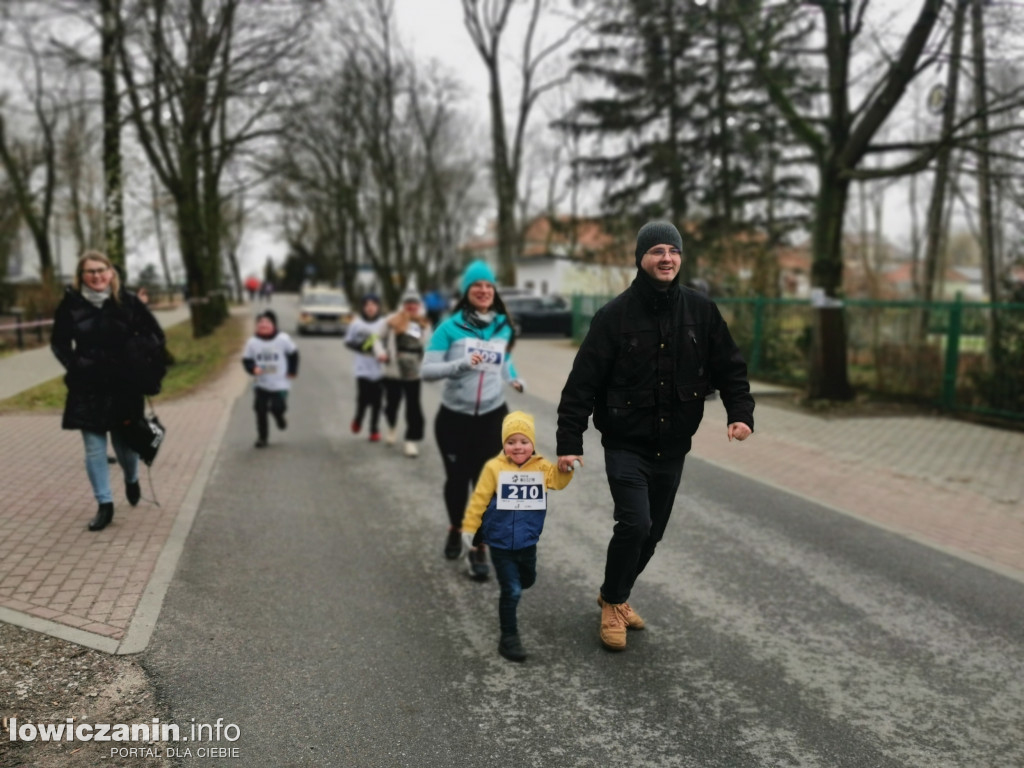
466,443
396,390
368,396
268,402
644,491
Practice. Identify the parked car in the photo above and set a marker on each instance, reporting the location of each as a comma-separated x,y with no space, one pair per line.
323,310
540,314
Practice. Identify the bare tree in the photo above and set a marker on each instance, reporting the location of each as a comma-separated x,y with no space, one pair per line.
201,78
31,163
372,166
487,22
857,105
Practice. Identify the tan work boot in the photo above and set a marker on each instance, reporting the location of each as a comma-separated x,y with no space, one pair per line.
613,627
631,617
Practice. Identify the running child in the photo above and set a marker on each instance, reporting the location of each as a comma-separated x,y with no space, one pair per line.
508,506
272,357
364,337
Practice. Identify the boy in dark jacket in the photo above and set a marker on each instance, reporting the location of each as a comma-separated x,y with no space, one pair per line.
651,356
508,505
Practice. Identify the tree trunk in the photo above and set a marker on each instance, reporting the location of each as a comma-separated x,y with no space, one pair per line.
827,376
985,214
504,186
112,176
936,234
161,241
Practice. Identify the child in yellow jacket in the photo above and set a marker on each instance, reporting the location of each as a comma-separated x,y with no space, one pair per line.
508,505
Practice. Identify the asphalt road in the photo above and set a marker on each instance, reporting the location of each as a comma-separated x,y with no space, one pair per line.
313,609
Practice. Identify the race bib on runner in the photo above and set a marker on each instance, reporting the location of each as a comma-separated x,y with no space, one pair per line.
521,490
492,353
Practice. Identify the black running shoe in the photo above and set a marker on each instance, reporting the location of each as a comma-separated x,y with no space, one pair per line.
453,545
478,566
511,648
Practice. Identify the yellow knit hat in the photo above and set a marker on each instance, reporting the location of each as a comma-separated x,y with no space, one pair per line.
518,422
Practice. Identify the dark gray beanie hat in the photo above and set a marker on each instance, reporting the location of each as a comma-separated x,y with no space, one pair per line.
656,233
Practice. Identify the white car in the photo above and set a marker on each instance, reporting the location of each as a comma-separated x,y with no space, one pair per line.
323,310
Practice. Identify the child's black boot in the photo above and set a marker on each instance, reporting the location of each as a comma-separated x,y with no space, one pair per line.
511,648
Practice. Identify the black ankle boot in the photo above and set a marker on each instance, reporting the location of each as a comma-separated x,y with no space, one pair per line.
103,517
133,492
511,648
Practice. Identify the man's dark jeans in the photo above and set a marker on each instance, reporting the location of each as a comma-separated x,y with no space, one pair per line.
516,570
643,490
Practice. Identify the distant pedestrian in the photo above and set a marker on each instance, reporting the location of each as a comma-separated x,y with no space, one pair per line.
508,507
100,333
436,306
252,286
364,338
267,291
273,359
651,356
406,333
470,350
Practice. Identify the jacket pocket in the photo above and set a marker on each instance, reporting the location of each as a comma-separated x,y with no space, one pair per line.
689,408
622,403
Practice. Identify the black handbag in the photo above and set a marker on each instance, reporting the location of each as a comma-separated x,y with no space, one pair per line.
144,435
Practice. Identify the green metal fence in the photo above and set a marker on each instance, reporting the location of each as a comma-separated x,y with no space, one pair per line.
960,356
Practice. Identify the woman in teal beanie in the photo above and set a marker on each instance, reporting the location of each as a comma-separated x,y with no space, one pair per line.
471,352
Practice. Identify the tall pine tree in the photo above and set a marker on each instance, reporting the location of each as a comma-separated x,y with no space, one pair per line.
683,131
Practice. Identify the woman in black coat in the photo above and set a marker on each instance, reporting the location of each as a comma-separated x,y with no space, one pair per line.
99,334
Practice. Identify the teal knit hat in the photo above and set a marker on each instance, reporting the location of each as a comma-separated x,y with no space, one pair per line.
656,233
477,270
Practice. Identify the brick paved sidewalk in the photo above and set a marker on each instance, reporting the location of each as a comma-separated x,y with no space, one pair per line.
948,484
101,589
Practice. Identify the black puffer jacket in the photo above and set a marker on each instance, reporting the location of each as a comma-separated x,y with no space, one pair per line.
644,369
94,344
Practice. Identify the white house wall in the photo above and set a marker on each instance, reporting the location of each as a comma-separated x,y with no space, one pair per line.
561,276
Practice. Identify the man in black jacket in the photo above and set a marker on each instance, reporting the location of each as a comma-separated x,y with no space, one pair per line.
651,356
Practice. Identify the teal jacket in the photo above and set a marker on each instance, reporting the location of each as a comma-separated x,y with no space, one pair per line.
470,389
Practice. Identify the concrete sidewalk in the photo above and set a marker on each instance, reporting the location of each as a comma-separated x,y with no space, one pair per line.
949,484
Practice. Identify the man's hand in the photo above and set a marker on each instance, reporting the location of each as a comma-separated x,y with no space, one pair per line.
565,463
739,430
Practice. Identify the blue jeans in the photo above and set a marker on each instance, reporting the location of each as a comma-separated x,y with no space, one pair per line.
96,462
516,570
643,490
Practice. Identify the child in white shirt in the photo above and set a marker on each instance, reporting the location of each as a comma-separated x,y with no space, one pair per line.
273,359
364,336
